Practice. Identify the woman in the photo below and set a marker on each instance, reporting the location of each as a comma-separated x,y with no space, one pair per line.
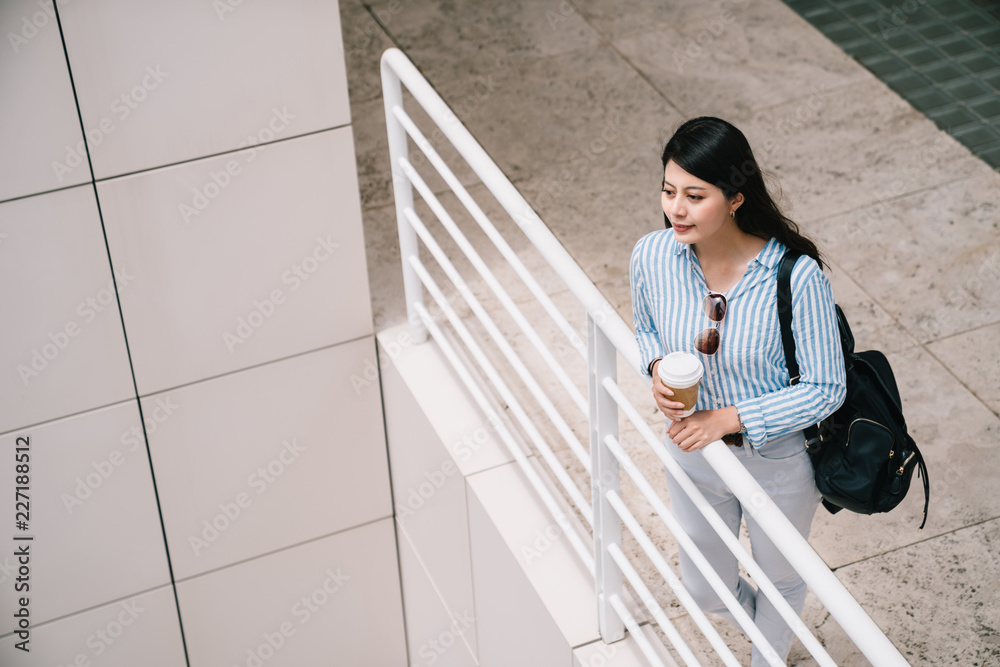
707,285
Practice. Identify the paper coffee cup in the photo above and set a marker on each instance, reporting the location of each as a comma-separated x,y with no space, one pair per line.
682,372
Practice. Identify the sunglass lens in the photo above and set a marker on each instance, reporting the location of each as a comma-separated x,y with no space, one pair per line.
715,307
707,342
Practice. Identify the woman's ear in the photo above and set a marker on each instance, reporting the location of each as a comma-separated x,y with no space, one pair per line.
735,203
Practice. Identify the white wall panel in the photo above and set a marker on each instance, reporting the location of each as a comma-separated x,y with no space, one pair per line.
185,79
334,601
544,557
139,630
437,635
62,349
40,137
507,605
428,483
258,460
430,391
92,512
240,259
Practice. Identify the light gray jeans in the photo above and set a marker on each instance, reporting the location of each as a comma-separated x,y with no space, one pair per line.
782,467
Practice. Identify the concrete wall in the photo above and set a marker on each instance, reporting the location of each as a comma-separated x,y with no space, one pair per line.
187,344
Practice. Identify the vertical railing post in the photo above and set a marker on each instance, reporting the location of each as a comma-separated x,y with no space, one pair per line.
602,363
402,190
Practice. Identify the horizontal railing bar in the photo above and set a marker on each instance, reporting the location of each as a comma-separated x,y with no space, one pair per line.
635,631
514,203
536,482
491,231
685,542
725,534
851,616
661,565
477,308
515,407
491,281
669,629
449,224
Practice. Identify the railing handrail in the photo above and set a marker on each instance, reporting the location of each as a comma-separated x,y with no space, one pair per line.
582,287
396,67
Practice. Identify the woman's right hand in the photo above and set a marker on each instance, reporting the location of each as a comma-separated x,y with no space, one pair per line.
674,410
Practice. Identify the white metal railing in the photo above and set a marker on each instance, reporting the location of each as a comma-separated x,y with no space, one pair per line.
607,338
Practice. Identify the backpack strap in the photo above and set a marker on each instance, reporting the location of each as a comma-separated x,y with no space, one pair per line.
787,337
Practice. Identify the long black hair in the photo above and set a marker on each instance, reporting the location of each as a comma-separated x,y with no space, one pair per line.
717,152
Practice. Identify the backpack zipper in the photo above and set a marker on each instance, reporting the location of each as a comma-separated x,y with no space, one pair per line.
870,421
902,468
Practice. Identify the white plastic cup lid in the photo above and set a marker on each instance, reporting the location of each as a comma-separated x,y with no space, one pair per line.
680,369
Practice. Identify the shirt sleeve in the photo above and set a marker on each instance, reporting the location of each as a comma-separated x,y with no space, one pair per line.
643,320
822,387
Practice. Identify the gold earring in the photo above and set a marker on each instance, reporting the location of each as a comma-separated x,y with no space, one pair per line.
732,214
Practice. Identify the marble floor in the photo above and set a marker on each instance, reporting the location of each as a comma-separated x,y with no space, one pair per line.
573,99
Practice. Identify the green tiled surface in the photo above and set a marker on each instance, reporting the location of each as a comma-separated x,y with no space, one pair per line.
943,56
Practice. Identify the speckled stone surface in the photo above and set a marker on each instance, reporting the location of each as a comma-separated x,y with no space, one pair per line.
743,58
573,99
972,358
940,265
947,600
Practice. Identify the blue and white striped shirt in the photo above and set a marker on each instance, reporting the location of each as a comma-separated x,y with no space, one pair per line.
749,369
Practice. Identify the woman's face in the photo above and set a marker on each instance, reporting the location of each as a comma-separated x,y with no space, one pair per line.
695,208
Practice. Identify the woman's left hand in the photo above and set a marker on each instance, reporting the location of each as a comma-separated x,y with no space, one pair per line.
703,427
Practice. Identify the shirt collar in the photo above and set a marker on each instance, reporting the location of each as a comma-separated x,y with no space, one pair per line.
679,248
769,256
771,253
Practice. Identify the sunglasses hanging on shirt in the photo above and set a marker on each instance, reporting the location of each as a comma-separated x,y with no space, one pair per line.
714,305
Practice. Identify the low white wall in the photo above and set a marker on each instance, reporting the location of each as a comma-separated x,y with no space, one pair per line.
488,578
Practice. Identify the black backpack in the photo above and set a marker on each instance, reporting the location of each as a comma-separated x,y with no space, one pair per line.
862,454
